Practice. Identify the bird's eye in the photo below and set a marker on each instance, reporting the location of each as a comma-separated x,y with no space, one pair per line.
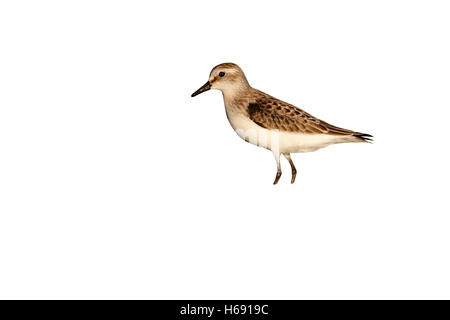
221,74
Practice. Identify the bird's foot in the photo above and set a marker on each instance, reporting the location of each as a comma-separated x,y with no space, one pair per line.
294,174
277,178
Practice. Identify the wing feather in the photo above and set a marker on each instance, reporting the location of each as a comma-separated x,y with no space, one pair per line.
271,113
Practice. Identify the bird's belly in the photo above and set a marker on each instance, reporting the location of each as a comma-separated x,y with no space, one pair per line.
305,142
251,132
279,141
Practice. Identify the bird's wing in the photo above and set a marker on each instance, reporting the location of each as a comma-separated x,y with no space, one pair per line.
271,113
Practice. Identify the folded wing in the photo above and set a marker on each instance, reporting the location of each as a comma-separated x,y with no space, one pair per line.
273,114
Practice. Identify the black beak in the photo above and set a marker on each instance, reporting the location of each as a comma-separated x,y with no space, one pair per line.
203,88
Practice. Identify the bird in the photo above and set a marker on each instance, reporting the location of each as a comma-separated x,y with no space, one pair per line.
270,123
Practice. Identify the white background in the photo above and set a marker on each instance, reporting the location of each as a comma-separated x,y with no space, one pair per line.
115,183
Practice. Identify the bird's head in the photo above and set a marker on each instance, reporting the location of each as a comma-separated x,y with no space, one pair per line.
226,77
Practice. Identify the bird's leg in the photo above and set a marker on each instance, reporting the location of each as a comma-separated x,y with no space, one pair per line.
277,159
294,171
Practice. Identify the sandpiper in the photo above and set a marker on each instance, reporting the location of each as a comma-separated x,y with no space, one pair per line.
270,123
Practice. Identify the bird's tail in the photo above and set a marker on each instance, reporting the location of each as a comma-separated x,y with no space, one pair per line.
363,137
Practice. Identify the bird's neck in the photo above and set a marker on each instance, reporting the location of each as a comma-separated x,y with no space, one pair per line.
235,93
236,102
